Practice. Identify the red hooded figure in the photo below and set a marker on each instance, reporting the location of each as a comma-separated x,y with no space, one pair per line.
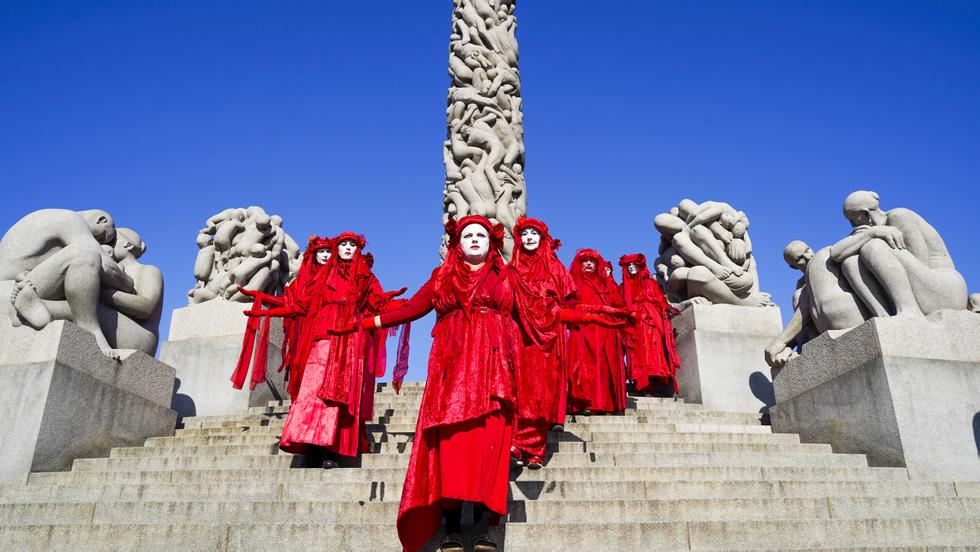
650,350
542,287
597,376
335,394
295,331
462,440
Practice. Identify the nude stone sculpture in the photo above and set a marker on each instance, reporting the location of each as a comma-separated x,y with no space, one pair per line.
243,247
484,150
893,264
75,265
896,262
705,251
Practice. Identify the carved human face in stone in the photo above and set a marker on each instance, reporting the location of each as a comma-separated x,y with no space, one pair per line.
530,239
128,244
632,268
861,209
475,241
588,266
101,224
322,256
346,249
797,254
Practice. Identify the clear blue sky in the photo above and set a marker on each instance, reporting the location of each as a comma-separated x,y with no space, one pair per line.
331,115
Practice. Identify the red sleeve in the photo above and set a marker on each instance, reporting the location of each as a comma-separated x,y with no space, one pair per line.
418,306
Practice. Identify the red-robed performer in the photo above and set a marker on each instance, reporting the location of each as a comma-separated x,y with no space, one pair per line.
295,329
336,392
597,374
542,287
651,354
462,440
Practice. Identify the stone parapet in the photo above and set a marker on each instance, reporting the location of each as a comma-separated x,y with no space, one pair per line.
63,399
721,351
203,345
904,391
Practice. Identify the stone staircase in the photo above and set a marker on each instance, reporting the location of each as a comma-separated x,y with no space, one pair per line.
667,475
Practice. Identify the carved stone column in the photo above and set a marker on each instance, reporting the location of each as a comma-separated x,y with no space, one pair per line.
484,149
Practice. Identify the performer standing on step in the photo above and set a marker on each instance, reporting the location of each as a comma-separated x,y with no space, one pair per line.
460,452
336,391
595,353
542,287
295,329
650,350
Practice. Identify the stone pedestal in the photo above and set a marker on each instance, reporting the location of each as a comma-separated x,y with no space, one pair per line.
62,399
721,348
906,392
204,343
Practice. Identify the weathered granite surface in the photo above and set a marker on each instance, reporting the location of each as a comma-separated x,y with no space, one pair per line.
905,391
63,399
721,352
204,343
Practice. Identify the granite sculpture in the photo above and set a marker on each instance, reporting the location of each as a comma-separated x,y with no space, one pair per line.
894,263
76,266
705,251
484,149
243,247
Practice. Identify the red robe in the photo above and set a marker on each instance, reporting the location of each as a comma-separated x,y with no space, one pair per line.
335,396
597,375
542,286
650,350
462,440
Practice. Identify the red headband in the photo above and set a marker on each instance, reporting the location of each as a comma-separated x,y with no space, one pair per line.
638,258
318,242
455,227
356,238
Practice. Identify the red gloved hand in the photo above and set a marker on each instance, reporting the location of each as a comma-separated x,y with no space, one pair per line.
606,321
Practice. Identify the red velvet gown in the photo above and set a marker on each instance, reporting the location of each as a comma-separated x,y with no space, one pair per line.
336,393
651,354
595,353
542,286
462,440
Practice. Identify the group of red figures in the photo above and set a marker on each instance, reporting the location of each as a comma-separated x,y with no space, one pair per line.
515,348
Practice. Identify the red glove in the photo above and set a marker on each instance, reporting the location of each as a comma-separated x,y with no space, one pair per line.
603,309
353,326
278,311
575,316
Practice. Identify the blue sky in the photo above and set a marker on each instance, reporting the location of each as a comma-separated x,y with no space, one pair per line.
331,115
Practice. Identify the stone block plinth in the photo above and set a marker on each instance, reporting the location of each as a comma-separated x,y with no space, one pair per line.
62,399
905,392
721,348
204,343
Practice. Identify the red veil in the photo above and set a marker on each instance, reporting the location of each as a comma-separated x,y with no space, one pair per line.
288,306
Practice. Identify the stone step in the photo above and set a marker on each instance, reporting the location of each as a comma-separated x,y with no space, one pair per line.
393,460
612,438
566,511
633,417
37,492
265,445
553,474
754,535
403,406
630,460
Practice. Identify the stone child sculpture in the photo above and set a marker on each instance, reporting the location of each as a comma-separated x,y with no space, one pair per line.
62,266
705,251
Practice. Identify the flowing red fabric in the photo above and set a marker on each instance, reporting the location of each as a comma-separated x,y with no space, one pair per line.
595,353
651,353
460,451
336,391
542,287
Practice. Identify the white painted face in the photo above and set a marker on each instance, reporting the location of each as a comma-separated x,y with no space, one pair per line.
530,239
588,266
322,256
632,268
607,270
346,249
475,241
